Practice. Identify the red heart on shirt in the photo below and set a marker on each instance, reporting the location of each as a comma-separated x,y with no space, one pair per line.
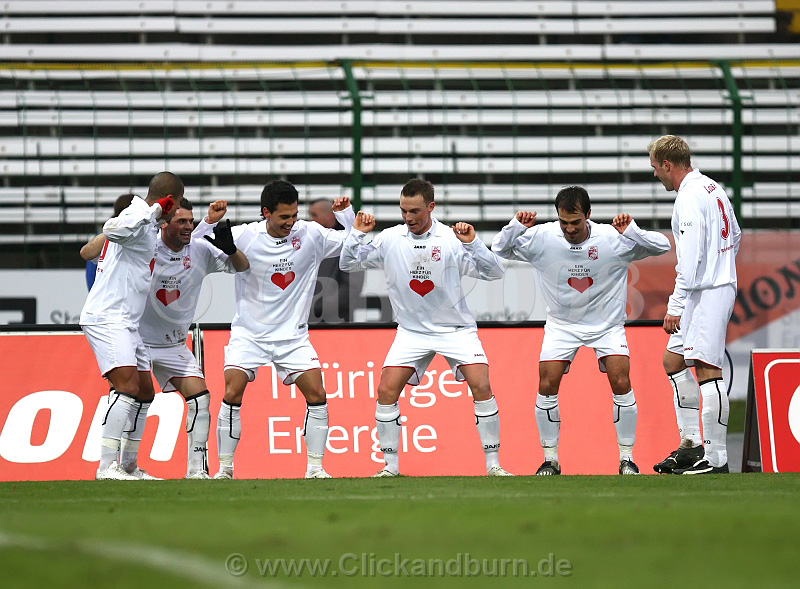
421,288
282,280
580,284
168,296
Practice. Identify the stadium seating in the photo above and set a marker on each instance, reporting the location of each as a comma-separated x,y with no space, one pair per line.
499,104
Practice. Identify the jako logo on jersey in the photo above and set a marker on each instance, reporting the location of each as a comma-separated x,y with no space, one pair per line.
593,252
152,265
436,254
281,241
419,247
187,262
576,248
296,243
710,188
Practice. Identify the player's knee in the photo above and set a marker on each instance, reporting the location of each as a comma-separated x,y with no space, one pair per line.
481,392
315,396
233,396
387,396
620,385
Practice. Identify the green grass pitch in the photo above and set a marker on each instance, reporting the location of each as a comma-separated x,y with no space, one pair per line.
648,531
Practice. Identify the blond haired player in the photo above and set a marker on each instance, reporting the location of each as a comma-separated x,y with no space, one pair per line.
707,237
110,316
273,298
423,261
583,268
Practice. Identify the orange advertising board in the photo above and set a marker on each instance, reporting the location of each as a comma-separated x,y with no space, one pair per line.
50,413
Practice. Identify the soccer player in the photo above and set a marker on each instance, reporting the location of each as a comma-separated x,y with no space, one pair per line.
273,299
423,261
110,316
707,239
583,267
184,257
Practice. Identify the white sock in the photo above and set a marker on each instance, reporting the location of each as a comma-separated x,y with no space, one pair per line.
113,425
387,418
132,436
548,420
488,422
315,432
625,414
229,430
198,421
687,406
715,420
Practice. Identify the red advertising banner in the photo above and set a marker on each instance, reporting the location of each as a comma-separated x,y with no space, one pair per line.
53,399
776,381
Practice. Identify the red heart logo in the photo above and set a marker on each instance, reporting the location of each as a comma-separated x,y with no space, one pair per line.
282,280
421,288
580,284
168,296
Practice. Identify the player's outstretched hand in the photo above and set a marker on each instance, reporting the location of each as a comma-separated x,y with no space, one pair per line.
364,222
621,222
217,210
464,231
166,204
527,218
672,324
223,238
341,203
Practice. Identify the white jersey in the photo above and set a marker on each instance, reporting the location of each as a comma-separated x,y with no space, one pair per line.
584,284
175,288
707,237
423,273
124,267
274,296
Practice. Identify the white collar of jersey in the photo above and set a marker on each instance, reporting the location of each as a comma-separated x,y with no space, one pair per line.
262,228
431,231
695,173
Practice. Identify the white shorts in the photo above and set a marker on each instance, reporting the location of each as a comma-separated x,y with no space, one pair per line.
173,362
415,350
561,343
290,357
116,346
704,324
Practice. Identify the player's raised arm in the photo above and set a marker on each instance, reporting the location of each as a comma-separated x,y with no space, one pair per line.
478,261
638,243
216,210
344,212
223,240
357,255
506,244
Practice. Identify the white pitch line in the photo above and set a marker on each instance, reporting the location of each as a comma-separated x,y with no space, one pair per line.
190,566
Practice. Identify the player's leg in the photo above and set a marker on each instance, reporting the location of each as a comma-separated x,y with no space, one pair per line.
134,428
548,415
716,410
487,416
686,399
387,415
626,412
198,422
315,425
122,402
120,355
704,345
229,424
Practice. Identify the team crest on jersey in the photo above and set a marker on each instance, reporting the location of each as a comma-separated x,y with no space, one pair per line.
593,252
436,253
296,243
187,262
